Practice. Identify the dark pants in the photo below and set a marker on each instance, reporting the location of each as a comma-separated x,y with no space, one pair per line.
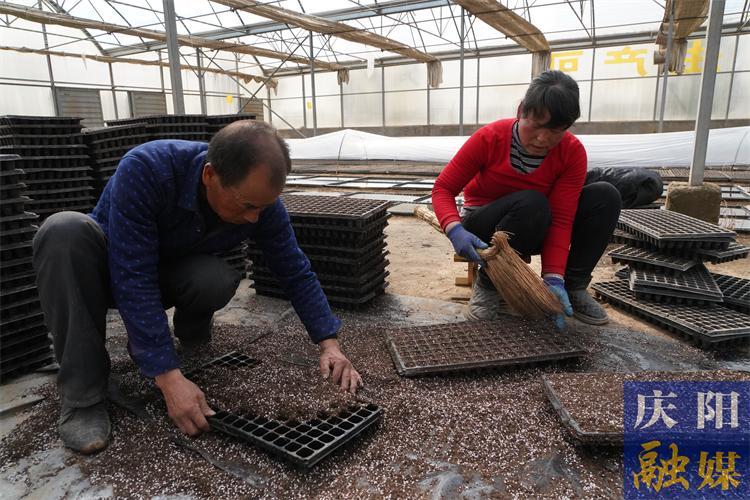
71,264
526,215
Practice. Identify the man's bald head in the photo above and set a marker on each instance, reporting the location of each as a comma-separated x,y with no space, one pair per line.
244,145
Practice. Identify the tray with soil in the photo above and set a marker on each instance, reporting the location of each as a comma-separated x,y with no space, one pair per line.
283,407
474,345
303,443
590,406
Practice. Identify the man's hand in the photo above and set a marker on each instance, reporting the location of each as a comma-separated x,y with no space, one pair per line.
556,285
186,403
333,363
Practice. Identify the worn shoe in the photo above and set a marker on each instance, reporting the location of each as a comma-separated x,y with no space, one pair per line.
586,309
485,302
85,430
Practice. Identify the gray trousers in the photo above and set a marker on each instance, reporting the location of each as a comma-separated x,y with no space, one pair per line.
71,264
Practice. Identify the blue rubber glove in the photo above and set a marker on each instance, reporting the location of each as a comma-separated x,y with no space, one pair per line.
464,243
557,287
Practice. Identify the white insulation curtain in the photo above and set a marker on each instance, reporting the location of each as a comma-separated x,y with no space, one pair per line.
726,147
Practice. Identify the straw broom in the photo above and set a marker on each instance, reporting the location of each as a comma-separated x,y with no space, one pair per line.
522,289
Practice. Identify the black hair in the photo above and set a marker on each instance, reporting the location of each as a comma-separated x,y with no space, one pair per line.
556,93
243,145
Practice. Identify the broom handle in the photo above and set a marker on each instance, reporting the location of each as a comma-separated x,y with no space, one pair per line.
428,216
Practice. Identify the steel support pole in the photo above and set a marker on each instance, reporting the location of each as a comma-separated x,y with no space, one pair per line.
477,110
161,79
312,86
112,88
706,96
239,92
341,102
173,49
304,103
382,96
731,78
461,76
55,103
666,70
201,81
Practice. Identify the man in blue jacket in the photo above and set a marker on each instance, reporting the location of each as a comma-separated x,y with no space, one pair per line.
149,245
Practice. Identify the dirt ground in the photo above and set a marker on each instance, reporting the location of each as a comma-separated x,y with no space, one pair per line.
421,265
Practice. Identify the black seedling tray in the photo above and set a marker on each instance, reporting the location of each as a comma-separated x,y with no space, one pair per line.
21,323
472,345
47,162
334,211
10,174
56,194
11,191
355,280
15,139
232,359
13,206
667,229
343,302
304,444
19,308
52,121
37,150
29,362
706,325
40,129
697,282
346,261
735,251
42,175
583,436
17,268
46,212
318,236
641,257
734,193
221,120
736,291
336,288
65,183
20,343
17,221
17,236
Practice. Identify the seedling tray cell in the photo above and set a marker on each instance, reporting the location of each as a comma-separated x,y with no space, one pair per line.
736,292
697,282
667,229
585,436
473,345
708,325
303,444
643,257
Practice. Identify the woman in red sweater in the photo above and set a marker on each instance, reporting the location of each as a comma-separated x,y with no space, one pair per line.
526,175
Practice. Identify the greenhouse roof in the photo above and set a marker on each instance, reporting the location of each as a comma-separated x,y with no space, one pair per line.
431,27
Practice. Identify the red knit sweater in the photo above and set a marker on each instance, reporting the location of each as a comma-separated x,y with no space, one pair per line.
482,169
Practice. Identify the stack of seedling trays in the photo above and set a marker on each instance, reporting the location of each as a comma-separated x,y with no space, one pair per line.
184,127
107,145
214,123
345,242
24,339
302,444
55,162
666,282
236,258
473,345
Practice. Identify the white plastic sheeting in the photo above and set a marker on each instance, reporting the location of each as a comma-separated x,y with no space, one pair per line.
726,147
